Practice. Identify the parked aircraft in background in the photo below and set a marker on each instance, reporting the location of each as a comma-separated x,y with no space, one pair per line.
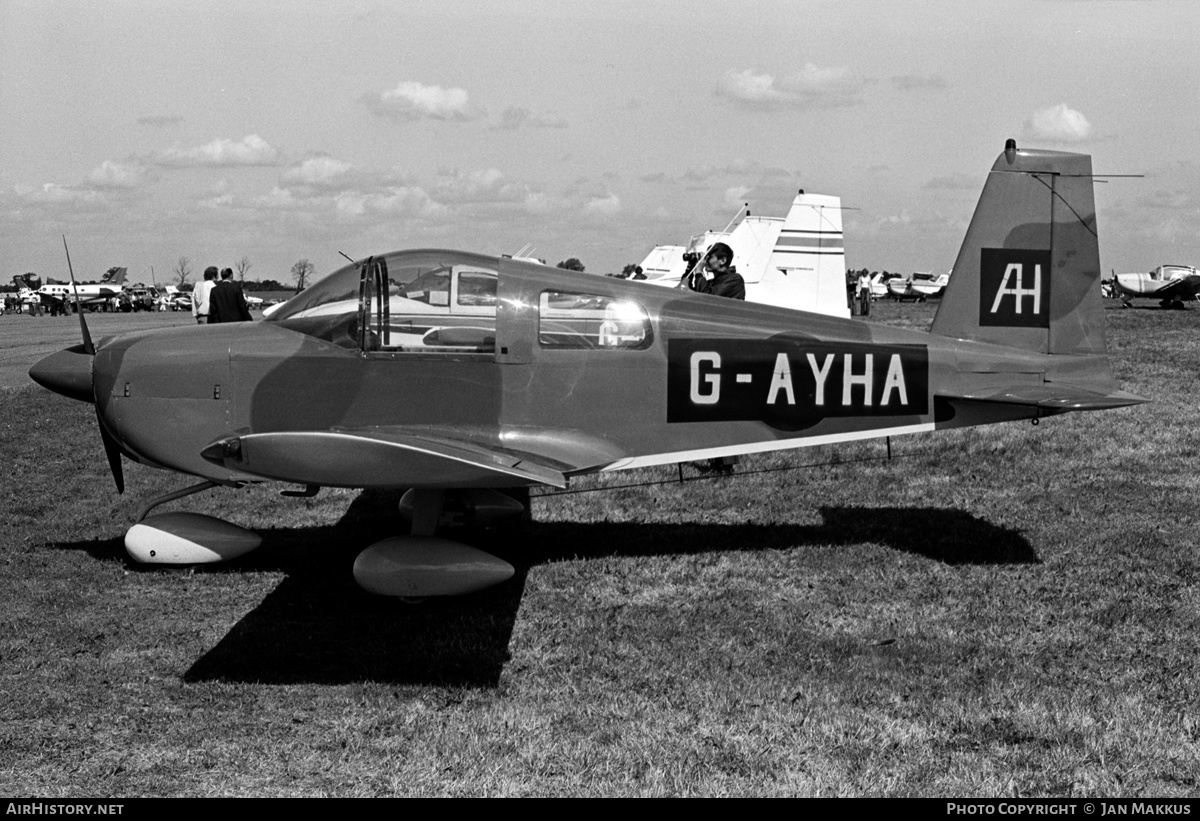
175,299
27,285
89,294
879,284
1171,285
920,286
797,261
455,374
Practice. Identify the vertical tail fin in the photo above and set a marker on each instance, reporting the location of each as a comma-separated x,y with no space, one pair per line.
114,276
1028,273
811,253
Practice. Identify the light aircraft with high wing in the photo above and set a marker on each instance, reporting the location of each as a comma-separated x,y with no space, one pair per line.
797,261
456,375
1171,285
879,285
919,286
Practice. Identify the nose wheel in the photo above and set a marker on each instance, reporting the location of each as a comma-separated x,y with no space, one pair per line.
182,538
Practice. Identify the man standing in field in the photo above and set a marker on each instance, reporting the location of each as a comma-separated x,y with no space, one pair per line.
227,303
201,293
864,293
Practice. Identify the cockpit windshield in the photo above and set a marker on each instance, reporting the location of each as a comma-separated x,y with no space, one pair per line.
1170,272
443,287
420,276
444,302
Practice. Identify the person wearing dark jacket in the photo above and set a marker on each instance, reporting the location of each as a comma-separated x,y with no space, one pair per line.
717,276
226,302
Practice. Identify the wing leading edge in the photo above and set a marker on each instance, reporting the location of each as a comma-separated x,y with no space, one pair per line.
379,457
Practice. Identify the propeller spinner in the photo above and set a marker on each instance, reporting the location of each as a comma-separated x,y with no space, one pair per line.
69,372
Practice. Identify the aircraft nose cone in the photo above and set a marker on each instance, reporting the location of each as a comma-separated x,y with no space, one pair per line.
68,372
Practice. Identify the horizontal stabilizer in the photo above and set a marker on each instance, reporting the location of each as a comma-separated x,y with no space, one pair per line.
378,457
1052,396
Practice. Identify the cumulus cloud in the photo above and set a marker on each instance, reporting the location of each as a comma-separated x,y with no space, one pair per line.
406,201
748,87
488,185
98,191
317,171
539,203
606,206
514,117
282,199
811,87
1059,124
415,101
250,150
111,174
52,193
815,78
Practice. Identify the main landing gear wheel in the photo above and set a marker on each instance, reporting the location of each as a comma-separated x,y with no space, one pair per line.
421,565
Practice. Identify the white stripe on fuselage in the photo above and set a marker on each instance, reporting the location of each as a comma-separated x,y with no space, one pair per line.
760,447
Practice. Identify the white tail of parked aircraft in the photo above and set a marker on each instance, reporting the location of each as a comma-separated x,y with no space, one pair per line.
797,261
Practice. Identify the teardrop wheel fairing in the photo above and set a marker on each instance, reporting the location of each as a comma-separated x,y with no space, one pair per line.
415,567
182,538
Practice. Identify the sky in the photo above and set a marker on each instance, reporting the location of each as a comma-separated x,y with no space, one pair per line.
147,132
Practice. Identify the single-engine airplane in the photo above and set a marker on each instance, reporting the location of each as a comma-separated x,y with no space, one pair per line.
1171,285
919,286
454,374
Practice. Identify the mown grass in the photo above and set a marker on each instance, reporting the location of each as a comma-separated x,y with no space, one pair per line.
1011,610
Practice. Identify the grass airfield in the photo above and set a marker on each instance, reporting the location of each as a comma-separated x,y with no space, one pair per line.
1001,611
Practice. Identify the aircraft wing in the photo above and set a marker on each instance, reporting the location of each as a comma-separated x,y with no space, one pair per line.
380,457
1051,396
1182,288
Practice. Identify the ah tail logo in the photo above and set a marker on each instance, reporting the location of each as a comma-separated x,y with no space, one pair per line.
1014,288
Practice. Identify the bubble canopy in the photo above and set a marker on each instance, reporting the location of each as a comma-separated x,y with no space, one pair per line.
444,302
415,275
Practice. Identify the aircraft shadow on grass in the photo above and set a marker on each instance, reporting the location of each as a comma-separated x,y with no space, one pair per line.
318,626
